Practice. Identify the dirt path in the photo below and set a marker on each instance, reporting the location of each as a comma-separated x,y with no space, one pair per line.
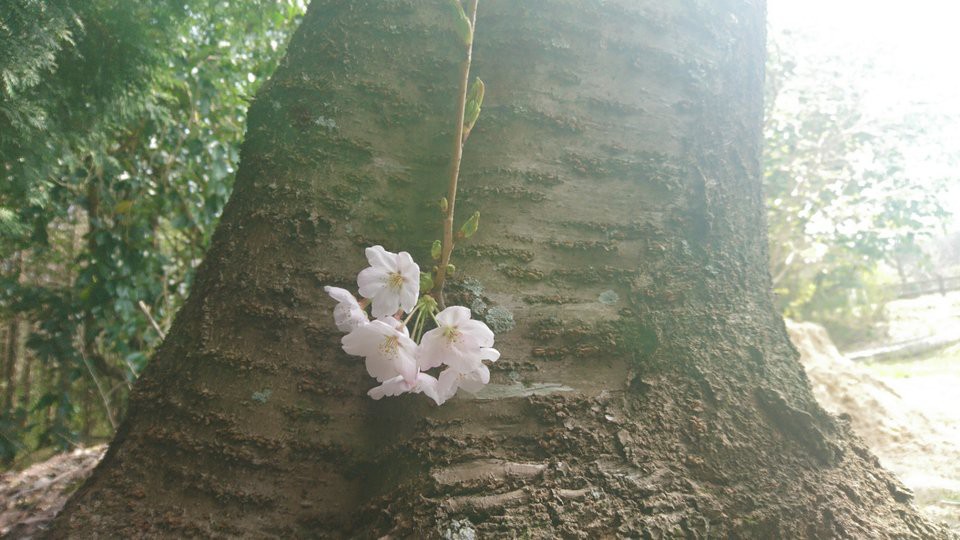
30,498
907,412
932,385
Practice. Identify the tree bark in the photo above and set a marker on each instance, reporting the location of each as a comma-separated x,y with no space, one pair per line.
11,346
12,350
25,379
647,387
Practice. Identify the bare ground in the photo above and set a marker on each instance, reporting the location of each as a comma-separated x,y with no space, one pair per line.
931,385
907,412
29,499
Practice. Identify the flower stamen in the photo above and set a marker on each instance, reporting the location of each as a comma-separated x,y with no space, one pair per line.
390,345
395,281
451,333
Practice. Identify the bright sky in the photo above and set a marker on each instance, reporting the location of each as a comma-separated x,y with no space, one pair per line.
914,46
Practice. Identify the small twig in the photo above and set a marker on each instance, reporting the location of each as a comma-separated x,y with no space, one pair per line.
146,311
72,443
455,162
122,384
12,440
103,395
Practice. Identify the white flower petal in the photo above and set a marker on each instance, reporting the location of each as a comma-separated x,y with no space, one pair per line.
453,316
384,327
395,325
478,331
340,295
432,351
398,385
371,281
388,352
475,381
381,258
408,297
347,314
380,367
391,387
487,353
385,303
362,341
463,363
428,385
446,385
406,362
410,272
348,318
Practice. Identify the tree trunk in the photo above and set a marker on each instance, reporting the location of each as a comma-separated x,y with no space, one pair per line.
646,388
12,347
25,379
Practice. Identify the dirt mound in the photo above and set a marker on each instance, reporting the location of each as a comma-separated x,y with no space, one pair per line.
29,499
877,412
924,454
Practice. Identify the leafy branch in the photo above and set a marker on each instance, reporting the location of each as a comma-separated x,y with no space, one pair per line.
470,98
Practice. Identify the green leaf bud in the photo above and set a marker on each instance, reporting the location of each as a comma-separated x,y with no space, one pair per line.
474,102
426,281
470,227
464,27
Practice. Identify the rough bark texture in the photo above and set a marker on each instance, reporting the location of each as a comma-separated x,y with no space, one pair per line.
647,387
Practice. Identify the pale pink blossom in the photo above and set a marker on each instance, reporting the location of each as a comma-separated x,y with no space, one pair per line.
348,314
392,285
489,353
391,282
387,348
458,341
451,380
398,385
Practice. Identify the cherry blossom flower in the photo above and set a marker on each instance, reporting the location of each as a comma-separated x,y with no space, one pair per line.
398,385
387,348
391,282
392,285
451,380
348,314
458,341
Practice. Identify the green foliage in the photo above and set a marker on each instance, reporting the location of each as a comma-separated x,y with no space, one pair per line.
842,206
32,33
120,124
73,72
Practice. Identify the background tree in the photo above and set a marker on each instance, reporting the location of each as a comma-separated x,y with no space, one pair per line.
845,209
119,127
647,386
